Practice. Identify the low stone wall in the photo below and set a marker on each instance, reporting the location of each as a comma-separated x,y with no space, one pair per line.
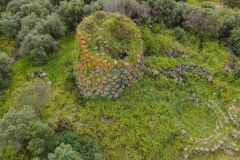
96,76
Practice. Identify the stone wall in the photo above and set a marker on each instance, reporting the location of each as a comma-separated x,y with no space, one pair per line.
97,76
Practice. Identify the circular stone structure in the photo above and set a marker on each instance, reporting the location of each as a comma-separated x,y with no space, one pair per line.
109,54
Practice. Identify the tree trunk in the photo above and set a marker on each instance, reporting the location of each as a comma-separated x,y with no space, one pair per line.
39,112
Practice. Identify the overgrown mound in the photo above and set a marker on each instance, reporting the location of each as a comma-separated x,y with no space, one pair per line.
113,34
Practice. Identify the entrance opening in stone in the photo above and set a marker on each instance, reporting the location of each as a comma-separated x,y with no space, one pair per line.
122,54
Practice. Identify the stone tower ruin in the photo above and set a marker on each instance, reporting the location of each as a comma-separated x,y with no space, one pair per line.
109,54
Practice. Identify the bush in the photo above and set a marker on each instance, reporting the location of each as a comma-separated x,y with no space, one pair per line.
130,8
164,10
4,2
51,25
21,130
5,65
71,12
229,21
93,7
18,9
237,69
155,45
34,24
234,40
232,3
179,33
208,5
37,46
204,21
64,152
36,95
88,150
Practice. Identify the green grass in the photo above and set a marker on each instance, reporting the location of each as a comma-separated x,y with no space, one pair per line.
6,44
146,121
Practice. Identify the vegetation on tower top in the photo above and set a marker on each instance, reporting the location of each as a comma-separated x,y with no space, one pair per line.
113,34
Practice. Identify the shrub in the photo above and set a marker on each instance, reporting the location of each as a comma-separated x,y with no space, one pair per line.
237,69
64,152
88,150
208,5
234,40
130,8
229,21
163,10
155,45
71,12
38,45
34,24
93,6
11,23
4,2
35,94
179,33
21,130
18,9
232,3
5,65
27,24
51,25
204,21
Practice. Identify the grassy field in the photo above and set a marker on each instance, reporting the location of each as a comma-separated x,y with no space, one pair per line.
157,117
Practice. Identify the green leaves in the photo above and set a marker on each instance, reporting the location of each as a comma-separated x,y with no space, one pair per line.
5,66
21,130
34,22
234,40
64,152
13,127
38,45
71,12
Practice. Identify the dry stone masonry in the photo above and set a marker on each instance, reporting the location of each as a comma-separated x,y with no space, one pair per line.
98,72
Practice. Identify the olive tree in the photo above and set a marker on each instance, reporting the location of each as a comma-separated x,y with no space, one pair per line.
38,46
51,25
204,20
35,94
34,23
229,21
163,10
71,12
21,130
18,9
